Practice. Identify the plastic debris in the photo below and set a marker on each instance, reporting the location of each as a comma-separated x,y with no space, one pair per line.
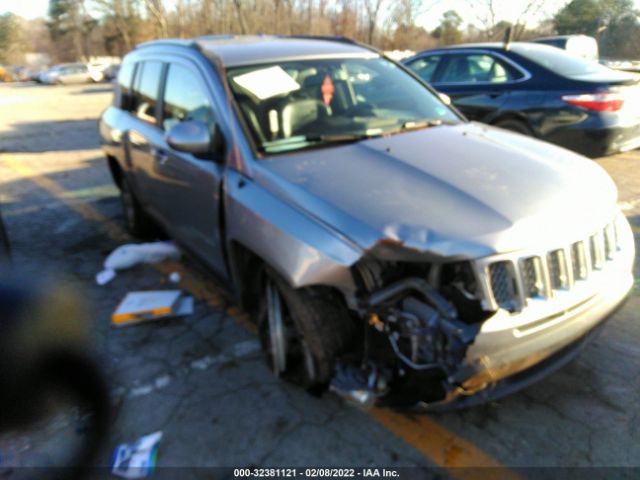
358,386
105,276
126,256
136,460
137,307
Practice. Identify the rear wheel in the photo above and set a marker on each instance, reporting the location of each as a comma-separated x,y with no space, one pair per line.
515,126
138,222
302,331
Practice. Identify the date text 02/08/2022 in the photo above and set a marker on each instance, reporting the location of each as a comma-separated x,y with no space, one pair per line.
315,472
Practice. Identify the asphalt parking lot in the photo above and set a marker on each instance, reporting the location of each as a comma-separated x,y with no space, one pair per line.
201,380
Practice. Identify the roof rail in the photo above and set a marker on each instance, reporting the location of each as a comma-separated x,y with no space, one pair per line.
215,36
178,42
330,38
340,38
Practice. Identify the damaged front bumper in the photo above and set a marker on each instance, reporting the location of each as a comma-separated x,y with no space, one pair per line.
539,308
504,361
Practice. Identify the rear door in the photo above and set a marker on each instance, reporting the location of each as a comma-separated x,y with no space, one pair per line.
478,82
188,187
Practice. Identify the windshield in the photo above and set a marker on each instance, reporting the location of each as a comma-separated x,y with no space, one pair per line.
303,104
559,61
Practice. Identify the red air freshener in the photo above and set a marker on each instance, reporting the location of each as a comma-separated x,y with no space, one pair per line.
327,90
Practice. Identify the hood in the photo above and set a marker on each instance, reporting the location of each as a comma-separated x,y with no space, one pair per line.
459,191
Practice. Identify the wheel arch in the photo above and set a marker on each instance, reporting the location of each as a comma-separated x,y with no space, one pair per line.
512,115
249,270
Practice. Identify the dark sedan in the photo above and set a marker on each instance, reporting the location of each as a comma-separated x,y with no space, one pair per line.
540,91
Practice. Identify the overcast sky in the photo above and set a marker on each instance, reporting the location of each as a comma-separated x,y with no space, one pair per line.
506,9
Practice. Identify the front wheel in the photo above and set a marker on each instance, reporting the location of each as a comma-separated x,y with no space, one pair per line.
303,331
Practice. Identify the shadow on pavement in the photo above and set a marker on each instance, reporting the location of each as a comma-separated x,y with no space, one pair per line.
53,135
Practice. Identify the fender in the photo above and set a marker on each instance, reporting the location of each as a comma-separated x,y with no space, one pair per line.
298,247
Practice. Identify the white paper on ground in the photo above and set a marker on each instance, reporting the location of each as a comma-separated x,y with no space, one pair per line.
126,256
267,82
138,459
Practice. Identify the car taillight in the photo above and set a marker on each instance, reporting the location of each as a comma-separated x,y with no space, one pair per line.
600,102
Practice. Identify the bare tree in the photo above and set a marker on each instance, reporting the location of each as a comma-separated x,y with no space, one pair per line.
157,12
121,12
240,14
372,9
486,12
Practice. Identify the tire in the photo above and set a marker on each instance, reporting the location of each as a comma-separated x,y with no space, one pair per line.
137,221
318,329
515,126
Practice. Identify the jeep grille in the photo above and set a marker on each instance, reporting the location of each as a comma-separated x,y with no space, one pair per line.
540,276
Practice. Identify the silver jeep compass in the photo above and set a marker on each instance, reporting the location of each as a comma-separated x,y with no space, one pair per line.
386,247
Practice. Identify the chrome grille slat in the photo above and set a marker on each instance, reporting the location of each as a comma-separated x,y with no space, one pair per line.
610,244
596,247
513,281
557,269
533,281
578,254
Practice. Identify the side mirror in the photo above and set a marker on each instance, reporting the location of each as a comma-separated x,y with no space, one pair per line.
190,136
446,99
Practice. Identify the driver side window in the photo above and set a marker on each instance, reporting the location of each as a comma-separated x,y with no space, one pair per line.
185,98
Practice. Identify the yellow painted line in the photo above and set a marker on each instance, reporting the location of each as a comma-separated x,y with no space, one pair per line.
460,458
101,191
441,446
86,211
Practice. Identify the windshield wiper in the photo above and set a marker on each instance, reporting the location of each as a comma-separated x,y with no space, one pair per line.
338,137
418,124
300,142
410,125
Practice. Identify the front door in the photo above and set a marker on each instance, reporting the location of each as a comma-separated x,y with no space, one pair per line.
188,187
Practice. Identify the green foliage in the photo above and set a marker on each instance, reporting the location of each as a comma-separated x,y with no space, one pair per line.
589,17
613,22
578,16
448,32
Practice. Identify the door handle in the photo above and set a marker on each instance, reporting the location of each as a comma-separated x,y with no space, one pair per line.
160,155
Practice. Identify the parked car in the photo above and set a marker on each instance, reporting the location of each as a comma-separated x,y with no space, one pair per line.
379,240
66,73
6,74
540,91
103,69
580,45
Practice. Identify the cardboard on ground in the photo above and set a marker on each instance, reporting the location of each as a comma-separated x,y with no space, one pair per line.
151,305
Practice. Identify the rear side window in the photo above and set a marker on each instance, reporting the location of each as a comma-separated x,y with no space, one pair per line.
425,67
475,68
185,98
125,76
145,92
